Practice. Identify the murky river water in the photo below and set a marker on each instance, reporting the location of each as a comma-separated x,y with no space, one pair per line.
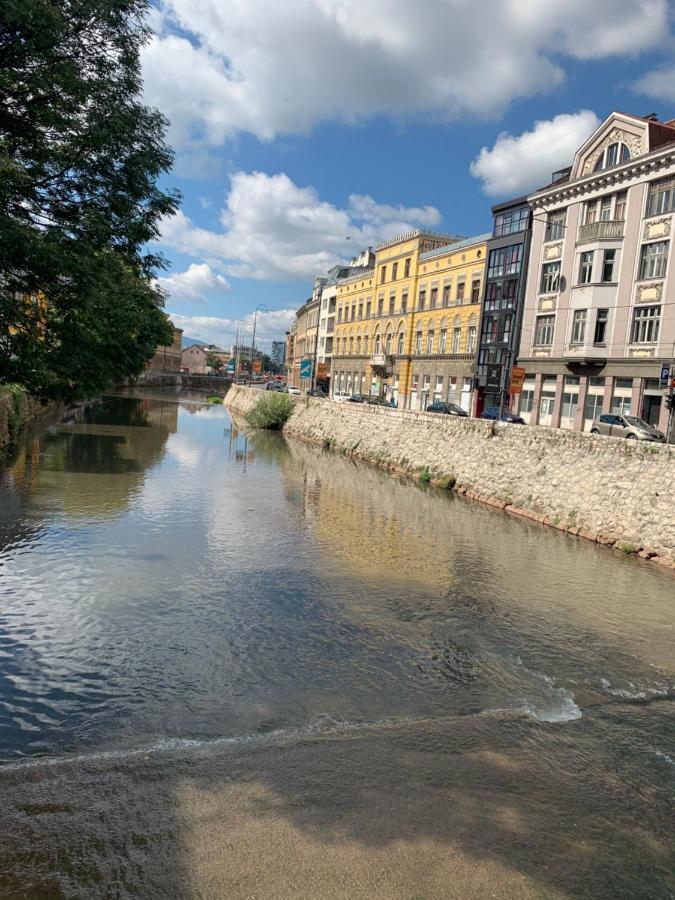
235,666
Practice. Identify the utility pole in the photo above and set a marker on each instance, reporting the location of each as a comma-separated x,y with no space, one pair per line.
263,308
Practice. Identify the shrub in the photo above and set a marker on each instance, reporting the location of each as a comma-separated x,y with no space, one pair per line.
214,400
425,475
447,482
271,411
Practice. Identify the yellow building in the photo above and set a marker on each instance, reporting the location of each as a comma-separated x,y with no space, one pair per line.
408,330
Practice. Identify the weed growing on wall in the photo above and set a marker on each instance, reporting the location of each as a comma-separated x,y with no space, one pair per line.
271,411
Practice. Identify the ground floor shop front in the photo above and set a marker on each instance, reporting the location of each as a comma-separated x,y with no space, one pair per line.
554,395
409,382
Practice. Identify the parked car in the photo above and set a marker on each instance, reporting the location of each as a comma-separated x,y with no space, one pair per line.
447,409
627,427
376,401
341,396
275,386
296,392
492,412
356,398
317,392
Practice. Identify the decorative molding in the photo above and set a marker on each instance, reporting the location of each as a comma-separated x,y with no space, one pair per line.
540,353
632,141
553,251
657,228
641,354
649,293
547,304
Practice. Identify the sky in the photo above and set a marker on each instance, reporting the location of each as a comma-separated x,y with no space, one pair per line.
307,130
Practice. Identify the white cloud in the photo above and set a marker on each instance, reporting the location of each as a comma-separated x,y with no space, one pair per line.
275,229
516,165
658,83
269,68
215,330
194,285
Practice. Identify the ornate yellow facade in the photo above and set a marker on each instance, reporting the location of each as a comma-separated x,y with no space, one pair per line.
408,330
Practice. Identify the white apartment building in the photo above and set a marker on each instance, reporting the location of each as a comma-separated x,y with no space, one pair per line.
599,313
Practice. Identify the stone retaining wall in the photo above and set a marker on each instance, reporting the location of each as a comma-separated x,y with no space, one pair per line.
16,410
610,490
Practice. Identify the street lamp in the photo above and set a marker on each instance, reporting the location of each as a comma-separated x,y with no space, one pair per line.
263,308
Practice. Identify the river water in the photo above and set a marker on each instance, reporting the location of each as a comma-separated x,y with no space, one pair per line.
236,666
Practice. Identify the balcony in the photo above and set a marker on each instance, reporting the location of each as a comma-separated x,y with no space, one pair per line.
601,231
380,360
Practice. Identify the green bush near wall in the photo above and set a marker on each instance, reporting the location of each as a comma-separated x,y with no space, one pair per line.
271,411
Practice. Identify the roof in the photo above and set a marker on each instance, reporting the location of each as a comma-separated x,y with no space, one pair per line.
417,232
454,247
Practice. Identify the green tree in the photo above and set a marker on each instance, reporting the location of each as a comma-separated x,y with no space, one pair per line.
80,159
214,361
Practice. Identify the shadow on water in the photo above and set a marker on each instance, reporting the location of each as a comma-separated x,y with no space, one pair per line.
445,798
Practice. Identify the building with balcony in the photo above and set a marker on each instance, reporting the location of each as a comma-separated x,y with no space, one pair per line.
407,329
502,302
599,312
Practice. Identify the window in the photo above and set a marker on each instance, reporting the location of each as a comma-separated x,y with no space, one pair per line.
358,346
526,401
442,340
578,326
614,155
418,342
439,385
351,345
654,258
422,299
446,295
380,306
366,341
543,336
621,405
433,298
406,268
392,304
591,212
586,267
555,225
430,342
399,344
593,406
608,260
505,261
661,197
550,277
353,313
383,274
404,303
646,321
512,221
387,343
456,338
394,271
475,290
570,403
368,309
339,315
600,333
471,339
378,344
460,292
360,310
620,207
605,209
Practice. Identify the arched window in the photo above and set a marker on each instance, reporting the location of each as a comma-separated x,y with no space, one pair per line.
378,343
418,342
365,344
614,155
358,345
387,340
399,342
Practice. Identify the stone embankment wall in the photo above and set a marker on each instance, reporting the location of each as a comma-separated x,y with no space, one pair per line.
613,491
184,380
16,410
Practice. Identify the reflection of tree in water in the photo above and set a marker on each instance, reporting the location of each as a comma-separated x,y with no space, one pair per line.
97,458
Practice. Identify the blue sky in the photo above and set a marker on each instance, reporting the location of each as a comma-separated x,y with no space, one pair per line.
299,124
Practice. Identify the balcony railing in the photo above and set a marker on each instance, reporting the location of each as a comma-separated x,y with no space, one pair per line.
598,231
380,360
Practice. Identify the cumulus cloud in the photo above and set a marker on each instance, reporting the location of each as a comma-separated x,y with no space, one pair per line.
271,68
215,330
518,164
275,229
658,83
194,285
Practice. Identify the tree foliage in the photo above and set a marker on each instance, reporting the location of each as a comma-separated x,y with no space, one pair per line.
80,159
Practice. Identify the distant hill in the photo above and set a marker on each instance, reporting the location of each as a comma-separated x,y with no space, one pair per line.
188,341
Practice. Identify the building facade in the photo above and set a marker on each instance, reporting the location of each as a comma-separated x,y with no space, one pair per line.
599,314
168,358
503,299
194,359
278,353
407,329
303,345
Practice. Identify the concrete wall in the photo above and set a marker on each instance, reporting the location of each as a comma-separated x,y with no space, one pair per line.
605,489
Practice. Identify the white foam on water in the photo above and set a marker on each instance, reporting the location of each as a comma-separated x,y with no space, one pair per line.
637,692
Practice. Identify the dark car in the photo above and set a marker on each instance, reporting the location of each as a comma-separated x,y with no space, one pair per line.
356,398
492,412
317,392
447,409
376,401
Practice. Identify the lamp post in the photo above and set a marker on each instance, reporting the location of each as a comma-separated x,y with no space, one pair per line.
263,308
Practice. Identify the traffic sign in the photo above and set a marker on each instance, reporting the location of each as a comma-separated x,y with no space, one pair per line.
664,378
306,368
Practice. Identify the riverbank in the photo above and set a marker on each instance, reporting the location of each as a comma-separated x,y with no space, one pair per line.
17,409
615,492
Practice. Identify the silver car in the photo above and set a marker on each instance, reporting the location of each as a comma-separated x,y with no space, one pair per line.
627,427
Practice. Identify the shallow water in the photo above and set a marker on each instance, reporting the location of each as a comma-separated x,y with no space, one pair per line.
199,626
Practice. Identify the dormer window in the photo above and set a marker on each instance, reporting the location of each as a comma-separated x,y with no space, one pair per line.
614,155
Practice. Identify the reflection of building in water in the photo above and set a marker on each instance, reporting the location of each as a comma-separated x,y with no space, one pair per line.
94,465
